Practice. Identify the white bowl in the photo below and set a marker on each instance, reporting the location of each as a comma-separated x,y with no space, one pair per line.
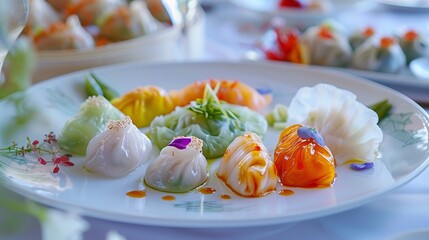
155,47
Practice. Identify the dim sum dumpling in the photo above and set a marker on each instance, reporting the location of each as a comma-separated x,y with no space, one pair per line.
41,16
89,11
302,159
180,167
246,167
380,55
349,128
118,150
62,36
326,46
414,45
143,104
126,22
91,120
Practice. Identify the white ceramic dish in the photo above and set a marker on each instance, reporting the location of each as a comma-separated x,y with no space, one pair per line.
297,17
46,106
405,5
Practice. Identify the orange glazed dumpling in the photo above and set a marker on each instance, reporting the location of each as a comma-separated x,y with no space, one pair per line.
302,159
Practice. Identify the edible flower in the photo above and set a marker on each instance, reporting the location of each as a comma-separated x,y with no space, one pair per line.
180,142
361,166
307,132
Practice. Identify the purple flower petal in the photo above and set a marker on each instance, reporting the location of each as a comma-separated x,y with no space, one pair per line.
361,166
306,132
180,143
264,91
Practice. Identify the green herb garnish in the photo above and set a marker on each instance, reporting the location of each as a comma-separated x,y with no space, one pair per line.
382,109
95,87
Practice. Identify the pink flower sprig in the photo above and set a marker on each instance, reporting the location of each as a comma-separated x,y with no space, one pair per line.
38,149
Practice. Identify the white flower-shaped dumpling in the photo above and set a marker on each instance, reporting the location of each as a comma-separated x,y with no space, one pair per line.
118,150
180,167
349,128
246,167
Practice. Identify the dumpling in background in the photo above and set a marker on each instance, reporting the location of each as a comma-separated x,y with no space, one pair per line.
413,45
61,5
380,55
360,36
327,46
322,5
89,11
180,167
143,104
126,22
302,159
118,150
91,120
348,127
60,36
42,15
233,92
246,167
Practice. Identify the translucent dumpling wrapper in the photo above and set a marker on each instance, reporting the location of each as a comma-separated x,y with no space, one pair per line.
91,120
180,167
89,11
246,167
41,16
380,55
326,46
414,45
302,159
358,37
216,123
61,5
234,92
143,104
62,36
348,127
127,22
117,151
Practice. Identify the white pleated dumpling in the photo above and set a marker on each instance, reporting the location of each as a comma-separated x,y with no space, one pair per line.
246,167
349,128
180,167
118,150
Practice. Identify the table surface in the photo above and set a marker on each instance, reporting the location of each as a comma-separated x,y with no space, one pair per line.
406,209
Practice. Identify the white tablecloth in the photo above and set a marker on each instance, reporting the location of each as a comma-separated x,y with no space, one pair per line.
403,210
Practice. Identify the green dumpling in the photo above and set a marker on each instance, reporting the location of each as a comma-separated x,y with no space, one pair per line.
216,123
92,118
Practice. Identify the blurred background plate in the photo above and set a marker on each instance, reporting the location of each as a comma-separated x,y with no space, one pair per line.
298,17
406,5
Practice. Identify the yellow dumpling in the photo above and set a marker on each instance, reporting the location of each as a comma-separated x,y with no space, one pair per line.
143,104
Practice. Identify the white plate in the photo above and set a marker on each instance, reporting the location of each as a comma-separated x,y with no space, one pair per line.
298,17
47,105
406,5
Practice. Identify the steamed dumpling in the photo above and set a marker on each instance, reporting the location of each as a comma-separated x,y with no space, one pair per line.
246,167
326,46
89,11
302,159
126,22
41,16
216,123
180,167
91,120
60,36
61,5
414,45
349,128
118,150
360,36
143,104
381,55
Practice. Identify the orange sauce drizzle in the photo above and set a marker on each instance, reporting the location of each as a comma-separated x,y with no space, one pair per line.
137,194
168,198
286,192
225,197
207,190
